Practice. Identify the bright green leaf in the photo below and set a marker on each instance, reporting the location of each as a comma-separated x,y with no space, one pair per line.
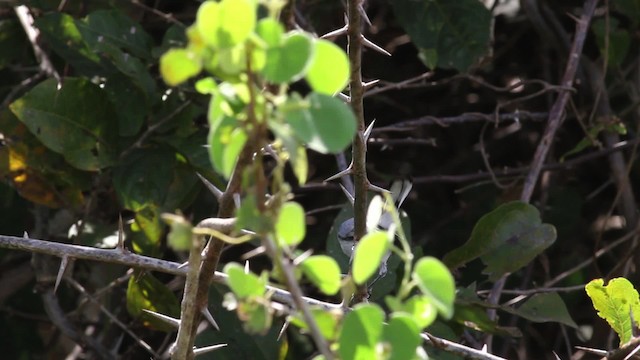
227,23
178,65
324,272
329,71
289,61
421,310
361,332
291,226
436,282
404,336
234,146
368,254
271,31
243,284
617,302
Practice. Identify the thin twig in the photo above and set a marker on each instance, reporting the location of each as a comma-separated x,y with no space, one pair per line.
408,125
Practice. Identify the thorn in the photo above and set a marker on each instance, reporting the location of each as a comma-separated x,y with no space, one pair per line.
63,267
284,328
302,257
25,235
120,245
206,349
343,97
367,132
214,190
253,253
364,14
366,42
377,189
236,200
268,149
164,318
342,173
484,348
348,194
246,267
209,317
369,84
335,33
183,265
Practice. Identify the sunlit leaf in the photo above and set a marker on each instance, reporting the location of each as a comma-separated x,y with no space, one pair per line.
290,225
178,65
324,272
226,23
437,283
403,335
244,284
329,71
368,254
361,332
618,303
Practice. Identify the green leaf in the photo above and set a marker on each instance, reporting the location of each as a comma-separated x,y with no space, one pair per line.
421,309
144,177
180,236
271,31
327,322
291,225
226,141
329,71
404,336
334,124
617,303
361,332
148,220
243,284
436,282
506,239
545,307
297,153
612,41
146,292
75,120
368,255
178,65
453,33
61,32
324,272
289,61
226,23
113,28
132,107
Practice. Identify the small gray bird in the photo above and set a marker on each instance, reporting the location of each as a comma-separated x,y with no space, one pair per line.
399,192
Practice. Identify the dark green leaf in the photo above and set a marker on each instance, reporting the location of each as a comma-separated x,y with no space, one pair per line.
545,307
147,292
75,120
451,34
505,239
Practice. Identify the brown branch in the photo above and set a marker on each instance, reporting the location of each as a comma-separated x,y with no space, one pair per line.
556,114
408,125
26,19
